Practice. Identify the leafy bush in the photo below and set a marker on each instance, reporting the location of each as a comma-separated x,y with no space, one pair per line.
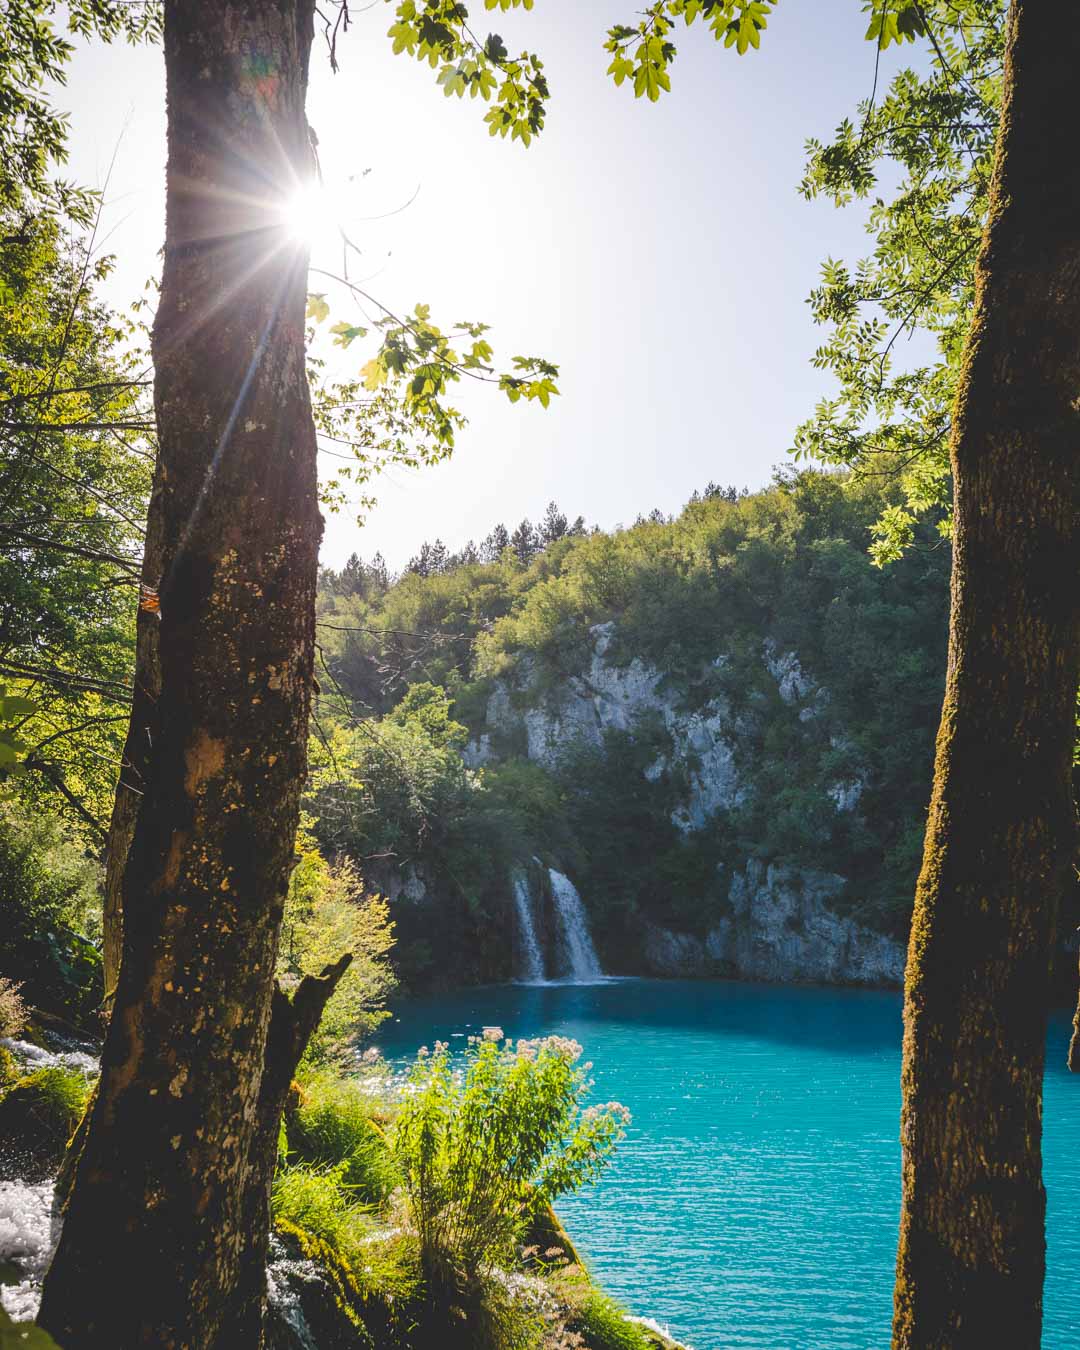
480,1149
317,1200
606,1326
328,912
48,891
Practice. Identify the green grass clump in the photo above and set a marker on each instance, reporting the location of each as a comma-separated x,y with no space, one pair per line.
317,1200
38,1115
9,1068
333,1126
605,1327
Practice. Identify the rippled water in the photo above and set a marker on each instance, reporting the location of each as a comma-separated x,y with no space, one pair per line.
755,1201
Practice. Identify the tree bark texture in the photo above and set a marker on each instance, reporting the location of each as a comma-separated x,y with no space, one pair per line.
1001,827
138,745
157,1248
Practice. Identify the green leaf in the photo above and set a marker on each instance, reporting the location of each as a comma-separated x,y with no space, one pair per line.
373,374
23,1335
495,48
345,333
17,707
317,308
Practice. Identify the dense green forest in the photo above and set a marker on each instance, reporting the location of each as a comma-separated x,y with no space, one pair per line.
410,665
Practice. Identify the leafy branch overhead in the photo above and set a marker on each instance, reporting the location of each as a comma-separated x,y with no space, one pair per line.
937,127
33,57
438,32
643,52
396,411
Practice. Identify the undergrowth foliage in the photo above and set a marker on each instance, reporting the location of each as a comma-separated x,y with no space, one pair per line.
483,1145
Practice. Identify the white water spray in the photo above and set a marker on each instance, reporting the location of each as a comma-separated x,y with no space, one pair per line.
532,953
574,930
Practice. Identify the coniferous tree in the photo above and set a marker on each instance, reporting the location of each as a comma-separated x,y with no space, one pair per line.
524,542
352,579
491,550
553,526
379,574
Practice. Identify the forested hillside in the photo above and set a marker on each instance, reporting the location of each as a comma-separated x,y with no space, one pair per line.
653,710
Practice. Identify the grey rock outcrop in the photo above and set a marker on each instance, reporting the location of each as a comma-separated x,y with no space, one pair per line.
781,928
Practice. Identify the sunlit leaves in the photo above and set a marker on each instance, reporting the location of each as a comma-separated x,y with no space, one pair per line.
344,333
643,52
438,32
14,712
317,308
533,378
74,452
33,57
396,411
898,21
892,416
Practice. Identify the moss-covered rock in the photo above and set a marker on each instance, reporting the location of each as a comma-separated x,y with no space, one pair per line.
38,1115
550,1239
318,1298
23,1336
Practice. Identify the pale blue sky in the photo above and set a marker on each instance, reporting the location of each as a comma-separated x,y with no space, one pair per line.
659,253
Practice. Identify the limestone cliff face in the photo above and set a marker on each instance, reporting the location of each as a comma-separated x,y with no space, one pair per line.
782,919
781,928
610,697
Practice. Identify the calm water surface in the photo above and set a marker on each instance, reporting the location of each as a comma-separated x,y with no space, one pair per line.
755,1200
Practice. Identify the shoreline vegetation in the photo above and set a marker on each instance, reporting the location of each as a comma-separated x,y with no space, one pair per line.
410,1210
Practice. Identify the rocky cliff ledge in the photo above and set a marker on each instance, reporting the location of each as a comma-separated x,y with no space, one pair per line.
780,929
781,919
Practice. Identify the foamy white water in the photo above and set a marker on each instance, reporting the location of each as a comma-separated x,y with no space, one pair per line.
532,954
574,935
28,1239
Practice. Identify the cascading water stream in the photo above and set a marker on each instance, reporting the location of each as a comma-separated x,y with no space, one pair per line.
531,951
573,927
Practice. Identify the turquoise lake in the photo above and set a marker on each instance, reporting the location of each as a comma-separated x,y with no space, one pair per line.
755,1199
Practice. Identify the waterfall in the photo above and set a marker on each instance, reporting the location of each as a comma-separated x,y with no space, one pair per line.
574,930
532,955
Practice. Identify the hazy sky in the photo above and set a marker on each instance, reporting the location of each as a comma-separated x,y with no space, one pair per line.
659,253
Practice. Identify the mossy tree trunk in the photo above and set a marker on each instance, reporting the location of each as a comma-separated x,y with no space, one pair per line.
138,746
1002,821
158,1246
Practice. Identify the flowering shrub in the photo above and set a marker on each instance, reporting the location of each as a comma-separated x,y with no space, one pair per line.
13,1012
481,1147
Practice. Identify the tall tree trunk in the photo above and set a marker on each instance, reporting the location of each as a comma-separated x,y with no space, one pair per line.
1002,821
156,1248
138,746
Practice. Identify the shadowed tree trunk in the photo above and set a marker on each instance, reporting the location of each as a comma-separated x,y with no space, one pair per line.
158,1246
1001,828
135,761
